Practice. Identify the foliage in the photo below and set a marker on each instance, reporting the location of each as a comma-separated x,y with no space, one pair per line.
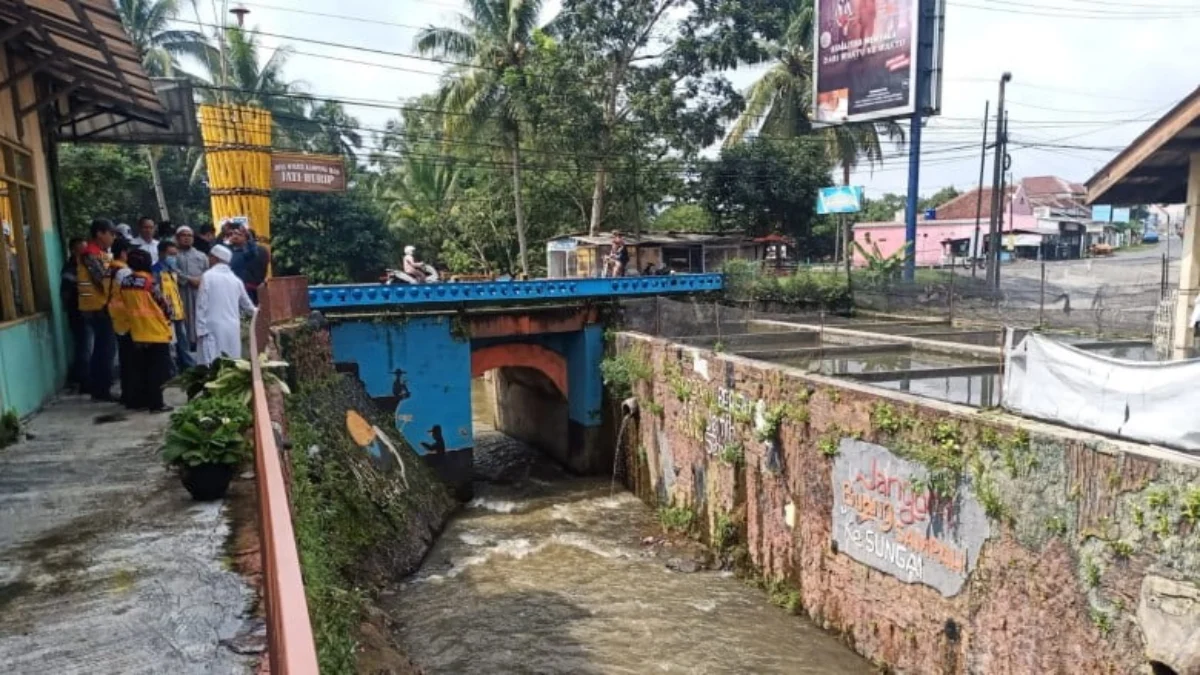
1103,621
733,454
1191,505
622,371
676,519
1091,573
881,269
235,380
10,428
724,532
784,595
683,218
208,430
330,238
746,282
762,187
772,421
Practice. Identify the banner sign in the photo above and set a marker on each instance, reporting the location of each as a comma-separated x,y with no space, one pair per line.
866,60
307,173
839,199
885,518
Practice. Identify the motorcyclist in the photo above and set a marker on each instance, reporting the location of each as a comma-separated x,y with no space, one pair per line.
412,266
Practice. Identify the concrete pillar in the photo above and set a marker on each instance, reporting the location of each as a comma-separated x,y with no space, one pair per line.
1189,266
585,351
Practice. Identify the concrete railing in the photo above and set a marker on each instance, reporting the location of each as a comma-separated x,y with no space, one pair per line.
291,648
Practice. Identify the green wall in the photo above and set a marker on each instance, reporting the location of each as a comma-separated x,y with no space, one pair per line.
33,353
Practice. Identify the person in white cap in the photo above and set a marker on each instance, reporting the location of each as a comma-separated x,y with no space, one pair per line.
220,302
413,267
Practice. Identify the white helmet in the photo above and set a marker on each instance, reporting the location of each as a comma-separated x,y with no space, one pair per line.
409,250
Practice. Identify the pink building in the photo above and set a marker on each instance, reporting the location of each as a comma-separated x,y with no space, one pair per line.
950,236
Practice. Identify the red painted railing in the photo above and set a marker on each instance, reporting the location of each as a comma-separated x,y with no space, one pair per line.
291,648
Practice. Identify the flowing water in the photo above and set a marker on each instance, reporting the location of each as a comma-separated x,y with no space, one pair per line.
551,575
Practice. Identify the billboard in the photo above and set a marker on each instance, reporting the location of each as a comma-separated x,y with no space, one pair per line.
839,199
307,173
866,55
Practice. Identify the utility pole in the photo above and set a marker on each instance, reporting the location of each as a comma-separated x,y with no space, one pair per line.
919,94
993,276
976,245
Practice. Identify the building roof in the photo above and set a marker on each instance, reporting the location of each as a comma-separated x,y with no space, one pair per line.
1154,168
1037,186
964,206
659,238
84,51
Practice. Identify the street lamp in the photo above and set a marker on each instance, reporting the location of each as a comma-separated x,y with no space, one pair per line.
240,11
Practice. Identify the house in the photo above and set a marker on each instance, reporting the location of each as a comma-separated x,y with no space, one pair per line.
582,255
68,72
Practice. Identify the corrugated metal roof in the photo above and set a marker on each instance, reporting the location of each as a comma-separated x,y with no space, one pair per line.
81,47
660,238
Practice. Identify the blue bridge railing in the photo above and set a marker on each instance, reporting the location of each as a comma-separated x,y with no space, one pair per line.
351,296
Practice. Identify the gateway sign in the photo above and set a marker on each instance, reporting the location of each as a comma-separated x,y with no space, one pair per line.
882,520
307,173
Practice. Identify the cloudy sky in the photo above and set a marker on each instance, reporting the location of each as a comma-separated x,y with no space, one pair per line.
1088,75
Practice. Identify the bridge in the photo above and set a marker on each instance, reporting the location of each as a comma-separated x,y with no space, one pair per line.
417,350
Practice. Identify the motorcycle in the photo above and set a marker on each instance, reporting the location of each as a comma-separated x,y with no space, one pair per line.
392,277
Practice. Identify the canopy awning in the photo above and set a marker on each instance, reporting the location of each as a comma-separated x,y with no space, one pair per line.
90,65
1154,168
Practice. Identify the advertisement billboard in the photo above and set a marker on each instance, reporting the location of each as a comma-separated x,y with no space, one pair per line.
839,199
865,65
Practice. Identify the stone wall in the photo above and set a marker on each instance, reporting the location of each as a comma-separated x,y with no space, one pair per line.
935,538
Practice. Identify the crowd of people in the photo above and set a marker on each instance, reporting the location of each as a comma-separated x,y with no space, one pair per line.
153,300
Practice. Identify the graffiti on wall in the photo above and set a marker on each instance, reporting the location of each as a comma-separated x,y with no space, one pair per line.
883,518
721,428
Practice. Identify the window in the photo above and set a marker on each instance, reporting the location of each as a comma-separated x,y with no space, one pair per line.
24,285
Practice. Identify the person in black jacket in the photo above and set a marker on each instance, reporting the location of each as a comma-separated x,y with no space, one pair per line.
77,373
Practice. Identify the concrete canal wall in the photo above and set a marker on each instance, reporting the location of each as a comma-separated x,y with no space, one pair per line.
934,538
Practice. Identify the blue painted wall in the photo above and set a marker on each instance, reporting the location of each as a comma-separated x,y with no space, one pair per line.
33,351
434,389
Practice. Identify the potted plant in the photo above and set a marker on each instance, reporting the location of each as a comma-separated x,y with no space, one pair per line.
206,442
233,379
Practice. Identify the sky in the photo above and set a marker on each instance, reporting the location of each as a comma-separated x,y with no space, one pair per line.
1087,74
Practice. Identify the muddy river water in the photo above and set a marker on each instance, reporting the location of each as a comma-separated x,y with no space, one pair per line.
552,575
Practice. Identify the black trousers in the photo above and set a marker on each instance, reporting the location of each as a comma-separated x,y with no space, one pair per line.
127,367
151,370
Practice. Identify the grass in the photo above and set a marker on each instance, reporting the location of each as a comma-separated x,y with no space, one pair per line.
784,595
1191,505
1091,573
733,454
724,532
1103,621
676,519
621,372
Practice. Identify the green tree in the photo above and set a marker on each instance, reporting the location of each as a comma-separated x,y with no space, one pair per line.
683,218
330,238
337,132
99,181
778,104
494,38
882,210
938,198
759,187
148,23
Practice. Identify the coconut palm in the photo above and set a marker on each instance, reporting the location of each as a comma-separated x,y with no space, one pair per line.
781,99
148,24
336,131
493,42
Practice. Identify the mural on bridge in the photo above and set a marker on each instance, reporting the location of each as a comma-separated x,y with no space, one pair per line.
419,371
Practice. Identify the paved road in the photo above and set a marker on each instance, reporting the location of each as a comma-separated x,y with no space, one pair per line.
106,565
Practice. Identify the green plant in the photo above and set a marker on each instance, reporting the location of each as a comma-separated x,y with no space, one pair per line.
619,373
682,389
676,518
985,490
1162,526
1120,549
719,347
10,427
209,430
828,445
784,595
1191,505
772,421
1158,498
835,395
724,532
881,269
1102,621
1091,573
655,408
741,412
1056,526
235,380
1138,516
733,454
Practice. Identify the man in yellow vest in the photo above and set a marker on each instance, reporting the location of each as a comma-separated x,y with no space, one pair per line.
91,278
150,316
166,275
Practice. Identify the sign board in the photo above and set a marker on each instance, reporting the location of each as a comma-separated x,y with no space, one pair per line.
865,66
1102,213
562,245
881,519
1120,215
307,173
839,199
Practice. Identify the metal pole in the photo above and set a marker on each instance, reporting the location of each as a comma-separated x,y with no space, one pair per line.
951,308
920,100
1042,298
975,243
997,178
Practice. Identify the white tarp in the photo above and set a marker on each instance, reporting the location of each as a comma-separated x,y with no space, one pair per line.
1154,402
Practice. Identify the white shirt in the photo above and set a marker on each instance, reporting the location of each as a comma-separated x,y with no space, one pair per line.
150,247
220,302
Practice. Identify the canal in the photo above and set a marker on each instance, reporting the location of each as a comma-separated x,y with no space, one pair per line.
558,574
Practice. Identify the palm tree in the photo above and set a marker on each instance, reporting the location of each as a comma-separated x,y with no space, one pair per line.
148,25
336,131
493,41
781,99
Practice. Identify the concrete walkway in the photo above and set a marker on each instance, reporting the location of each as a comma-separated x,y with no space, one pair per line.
106,565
